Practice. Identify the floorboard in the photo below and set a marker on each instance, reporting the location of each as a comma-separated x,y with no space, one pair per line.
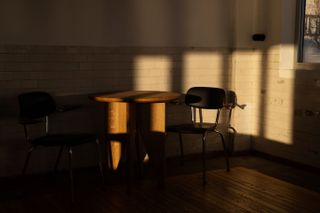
246,188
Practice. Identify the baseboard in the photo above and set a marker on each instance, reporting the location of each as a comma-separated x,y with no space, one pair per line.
210,155
214,154
285,161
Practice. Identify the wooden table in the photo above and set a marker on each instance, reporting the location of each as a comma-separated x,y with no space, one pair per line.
128,111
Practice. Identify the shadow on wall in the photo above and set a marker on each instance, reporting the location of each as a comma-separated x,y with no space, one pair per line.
306,118
70,73
288,114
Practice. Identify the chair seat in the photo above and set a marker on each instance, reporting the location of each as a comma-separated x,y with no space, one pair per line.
63,139
191,128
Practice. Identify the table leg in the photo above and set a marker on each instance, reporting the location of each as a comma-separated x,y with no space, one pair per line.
116,126
131,144
153,134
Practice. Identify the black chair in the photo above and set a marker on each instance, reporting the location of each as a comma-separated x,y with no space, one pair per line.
199,98
230,104
35,107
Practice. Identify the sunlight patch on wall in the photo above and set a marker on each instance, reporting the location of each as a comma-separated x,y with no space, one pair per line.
279,99
268,96
246,66
204,69
271,96
287,60
210,68
152,73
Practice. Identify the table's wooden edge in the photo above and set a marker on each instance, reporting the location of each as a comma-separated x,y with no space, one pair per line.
171,96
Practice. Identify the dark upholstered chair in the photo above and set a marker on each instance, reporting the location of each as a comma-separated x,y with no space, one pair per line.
199,98
35,107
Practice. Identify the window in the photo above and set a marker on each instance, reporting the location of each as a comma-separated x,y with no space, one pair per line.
309,31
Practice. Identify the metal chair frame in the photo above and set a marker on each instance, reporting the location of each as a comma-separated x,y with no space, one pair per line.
230,104
199,98
47,106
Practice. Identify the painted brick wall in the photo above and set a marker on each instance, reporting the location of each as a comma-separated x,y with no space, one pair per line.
70,73
282,113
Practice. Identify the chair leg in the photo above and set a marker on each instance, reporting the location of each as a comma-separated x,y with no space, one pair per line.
181,150
230,141
225,150
204,166
99,160
27,161
71,174
233,129
140,161
58,160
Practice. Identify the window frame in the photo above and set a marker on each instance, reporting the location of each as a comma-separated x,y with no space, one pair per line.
299,63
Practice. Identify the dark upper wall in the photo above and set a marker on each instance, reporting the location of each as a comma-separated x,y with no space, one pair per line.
117,23
173,45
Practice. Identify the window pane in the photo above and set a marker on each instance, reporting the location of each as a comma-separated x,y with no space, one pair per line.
311,43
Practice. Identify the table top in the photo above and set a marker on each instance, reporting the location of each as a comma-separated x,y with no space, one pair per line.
136,96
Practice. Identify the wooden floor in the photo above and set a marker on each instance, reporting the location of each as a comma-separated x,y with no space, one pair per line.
241,190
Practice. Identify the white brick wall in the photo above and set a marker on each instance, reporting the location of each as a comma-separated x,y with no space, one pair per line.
69,72
276,111
274,116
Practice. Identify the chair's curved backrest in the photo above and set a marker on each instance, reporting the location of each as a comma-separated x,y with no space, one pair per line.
231,99
35,105
205,97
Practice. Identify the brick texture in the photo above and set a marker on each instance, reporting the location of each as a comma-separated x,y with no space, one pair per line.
70,73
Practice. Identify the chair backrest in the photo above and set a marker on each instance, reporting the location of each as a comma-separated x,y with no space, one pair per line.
34,105
230,104
231,99
205,97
